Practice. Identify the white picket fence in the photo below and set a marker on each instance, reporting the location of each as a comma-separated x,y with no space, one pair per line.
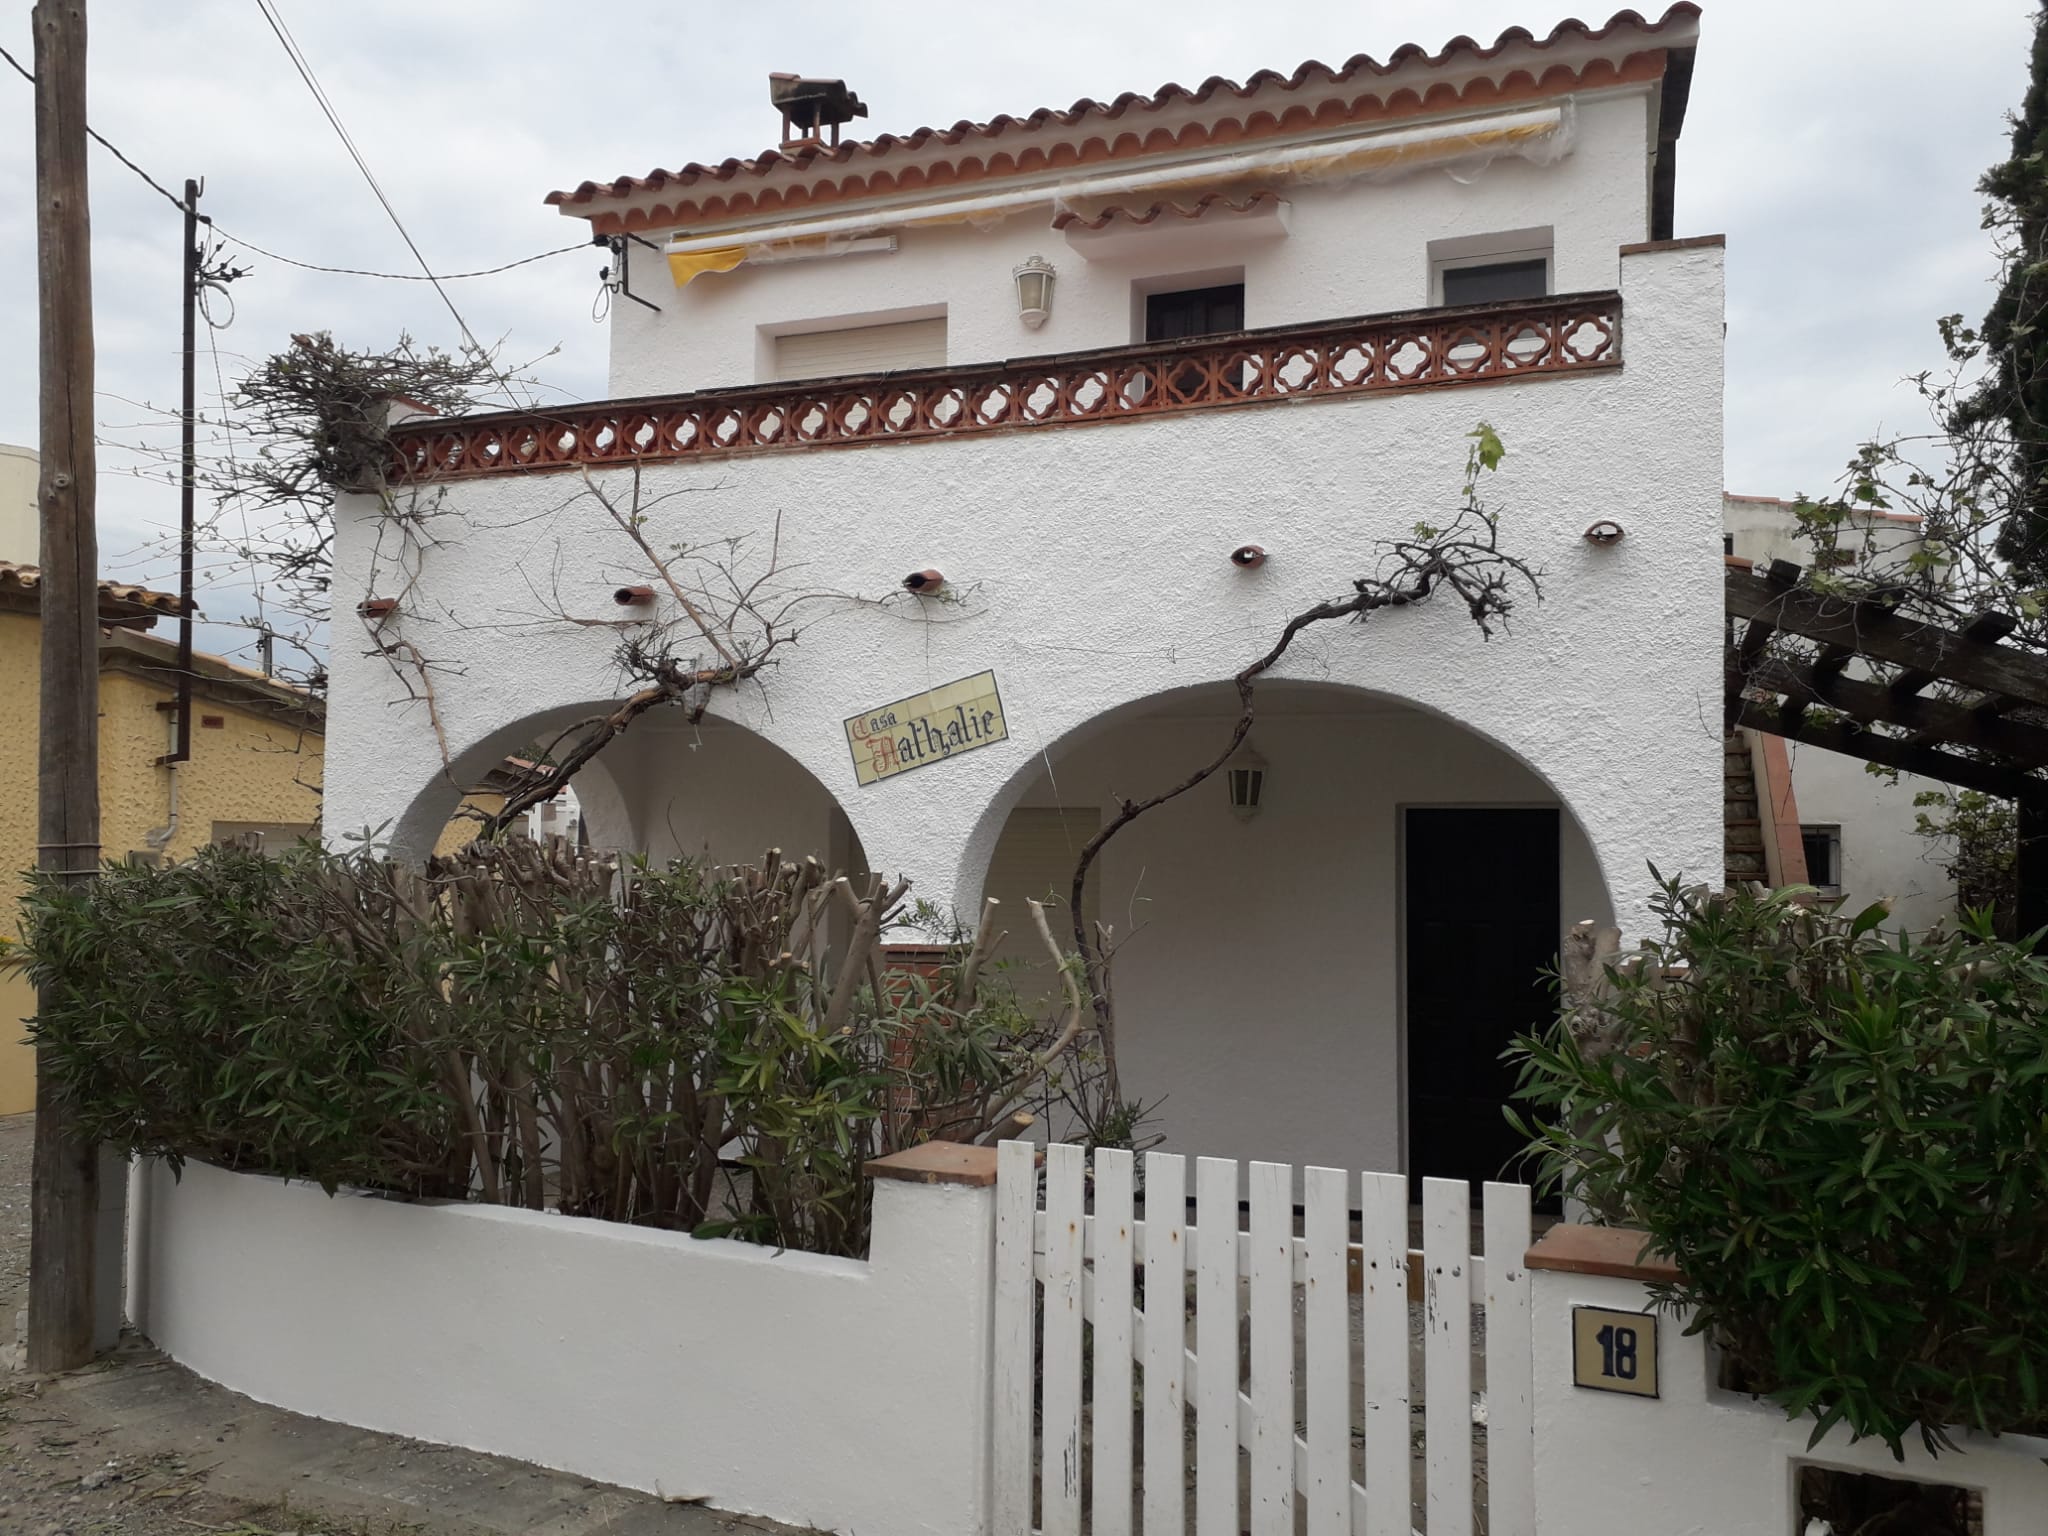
1066,1263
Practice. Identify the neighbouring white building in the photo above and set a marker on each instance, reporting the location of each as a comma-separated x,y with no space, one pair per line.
1073,361
1856,828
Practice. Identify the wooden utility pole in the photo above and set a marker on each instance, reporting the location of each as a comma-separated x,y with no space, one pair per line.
66,1190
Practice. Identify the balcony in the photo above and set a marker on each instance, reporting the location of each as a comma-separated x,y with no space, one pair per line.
1330,360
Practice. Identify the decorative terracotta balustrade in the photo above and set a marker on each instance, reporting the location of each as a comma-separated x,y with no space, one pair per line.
1425,349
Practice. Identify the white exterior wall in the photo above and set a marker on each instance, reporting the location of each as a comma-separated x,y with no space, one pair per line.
824,1392
1697,1461
1259,975
1354,248
1882,856
1092,564
21,536
1259,969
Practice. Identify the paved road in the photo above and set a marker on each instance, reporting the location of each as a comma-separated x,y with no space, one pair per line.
137,1446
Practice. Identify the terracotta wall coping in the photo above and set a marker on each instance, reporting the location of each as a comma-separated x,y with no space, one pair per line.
1613,1251
938,1162
1689,243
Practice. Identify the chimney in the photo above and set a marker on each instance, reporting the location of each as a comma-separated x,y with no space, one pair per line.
808,107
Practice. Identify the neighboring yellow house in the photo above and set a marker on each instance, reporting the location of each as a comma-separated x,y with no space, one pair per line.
256,748
255,765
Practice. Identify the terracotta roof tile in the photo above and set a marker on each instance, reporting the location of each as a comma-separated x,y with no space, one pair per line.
1169,208
786,166
117,599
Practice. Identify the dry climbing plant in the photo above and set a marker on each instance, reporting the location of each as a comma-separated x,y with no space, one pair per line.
1461,559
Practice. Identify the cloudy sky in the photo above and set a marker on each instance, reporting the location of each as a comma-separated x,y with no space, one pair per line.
1836,143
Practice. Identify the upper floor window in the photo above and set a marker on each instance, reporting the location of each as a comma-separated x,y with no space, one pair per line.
1495,282
1496,268
1211,311
832,352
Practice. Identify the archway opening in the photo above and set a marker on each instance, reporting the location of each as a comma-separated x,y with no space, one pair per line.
1326,976
666,788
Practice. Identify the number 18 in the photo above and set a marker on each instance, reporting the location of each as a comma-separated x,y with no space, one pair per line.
1617,1352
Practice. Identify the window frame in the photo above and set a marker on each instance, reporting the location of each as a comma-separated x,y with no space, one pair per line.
1830,834
1500,248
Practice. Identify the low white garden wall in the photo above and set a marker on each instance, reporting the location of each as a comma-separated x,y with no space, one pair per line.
828,1392
1698,1461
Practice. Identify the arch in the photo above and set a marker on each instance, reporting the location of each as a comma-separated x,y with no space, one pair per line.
971,869
664,786
1270,985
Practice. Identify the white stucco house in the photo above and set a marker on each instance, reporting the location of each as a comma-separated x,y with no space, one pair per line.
1856,829
1276,309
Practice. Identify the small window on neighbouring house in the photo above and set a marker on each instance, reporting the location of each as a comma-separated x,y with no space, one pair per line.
1194,312
1823,847
1496,282
1727,543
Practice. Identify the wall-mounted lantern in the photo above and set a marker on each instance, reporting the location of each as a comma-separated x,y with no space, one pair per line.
1605,532
923,583
1034,291
1248,557
633,597
377,607
1245,777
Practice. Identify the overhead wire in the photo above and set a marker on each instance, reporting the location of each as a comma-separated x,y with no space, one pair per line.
174,200
213,329
292,261
305,71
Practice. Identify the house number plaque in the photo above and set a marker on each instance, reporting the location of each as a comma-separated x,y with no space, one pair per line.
1614,1351
926,728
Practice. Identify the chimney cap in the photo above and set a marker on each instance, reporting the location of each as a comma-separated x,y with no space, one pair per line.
809,105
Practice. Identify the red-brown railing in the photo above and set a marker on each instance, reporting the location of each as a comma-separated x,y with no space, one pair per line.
1424,349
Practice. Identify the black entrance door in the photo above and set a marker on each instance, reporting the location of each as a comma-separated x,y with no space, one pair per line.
1482,918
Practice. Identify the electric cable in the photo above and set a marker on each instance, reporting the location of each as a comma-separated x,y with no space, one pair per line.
292,261
304,67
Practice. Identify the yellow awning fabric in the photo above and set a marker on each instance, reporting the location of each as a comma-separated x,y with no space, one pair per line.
684,265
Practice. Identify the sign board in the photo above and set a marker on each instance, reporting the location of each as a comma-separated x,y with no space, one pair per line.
926,728
1614,1351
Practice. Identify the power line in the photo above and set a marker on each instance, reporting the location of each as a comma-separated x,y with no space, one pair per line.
305,69
292,261
398,277
176,202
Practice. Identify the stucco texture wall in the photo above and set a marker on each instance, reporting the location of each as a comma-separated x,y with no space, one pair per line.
1352,248
1700,1461
820,1391
1090,565
1259,968
252,769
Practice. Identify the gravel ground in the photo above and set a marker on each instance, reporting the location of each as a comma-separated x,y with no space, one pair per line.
60,1478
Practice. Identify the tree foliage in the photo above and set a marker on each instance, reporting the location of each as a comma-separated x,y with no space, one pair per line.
718,1050
1840,1137
2015,386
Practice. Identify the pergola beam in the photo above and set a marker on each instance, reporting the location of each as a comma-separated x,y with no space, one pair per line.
1892,752
1938,722
1871,630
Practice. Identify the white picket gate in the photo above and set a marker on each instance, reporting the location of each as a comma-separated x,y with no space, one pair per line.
1064,1264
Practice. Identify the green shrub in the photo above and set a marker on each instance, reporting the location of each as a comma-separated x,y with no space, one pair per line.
526,1026
1841,1138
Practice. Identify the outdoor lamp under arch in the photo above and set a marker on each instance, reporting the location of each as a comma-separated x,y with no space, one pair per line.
1245,776
1034,291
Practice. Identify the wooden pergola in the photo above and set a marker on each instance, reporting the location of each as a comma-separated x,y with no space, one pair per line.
1985,729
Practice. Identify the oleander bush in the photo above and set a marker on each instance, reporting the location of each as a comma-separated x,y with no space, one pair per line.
1842,1138
718,1050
